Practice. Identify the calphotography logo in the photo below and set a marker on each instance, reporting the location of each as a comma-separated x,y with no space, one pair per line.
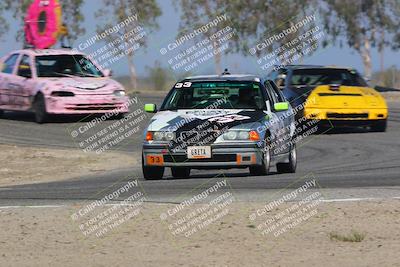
101,133
285,46
289,209
204,209
203,43
111,211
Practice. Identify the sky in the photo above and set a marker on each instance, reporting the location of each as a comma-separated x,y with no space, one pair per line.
236,63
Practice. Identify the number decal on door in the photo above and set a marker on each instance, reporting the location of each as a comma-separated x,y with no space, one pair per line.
155,159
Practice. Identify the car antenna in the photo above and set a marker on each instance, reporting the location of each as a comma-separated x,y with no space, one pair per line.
226,72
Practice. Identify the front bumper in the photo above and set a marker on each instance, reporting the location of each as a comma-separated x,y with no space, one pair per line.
344,123
345,114
86,104
222,156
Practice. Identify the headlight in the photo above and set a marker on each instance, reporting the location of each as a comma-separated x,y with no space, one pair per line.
230,135
119,93
169,136
158,136
163,136
241,135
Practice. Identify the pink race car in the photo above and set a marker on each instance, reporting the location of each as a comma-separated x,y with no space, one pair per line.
61,81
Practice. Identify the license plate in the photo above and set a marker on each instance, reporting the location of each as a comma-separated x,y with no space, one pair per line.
199,152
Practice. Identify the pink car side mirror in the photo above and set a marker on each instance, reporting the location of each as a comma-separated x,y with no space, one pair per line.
107,72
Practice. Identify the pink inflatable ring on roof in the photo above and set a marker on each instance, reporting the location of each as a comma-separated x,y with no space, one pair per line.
43,23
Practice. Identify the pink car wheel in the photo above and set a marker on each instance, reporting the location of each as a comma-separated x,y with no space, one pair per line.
43,23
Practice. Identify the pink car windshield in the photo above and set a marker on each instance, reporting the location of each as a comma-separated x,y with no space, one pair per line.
65,66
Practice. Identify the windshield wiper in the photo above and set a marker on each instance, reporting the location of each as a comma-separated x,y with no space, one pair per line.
81,74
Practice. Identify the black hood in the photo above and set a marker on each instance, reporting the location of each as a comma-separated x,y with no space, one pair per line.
207,130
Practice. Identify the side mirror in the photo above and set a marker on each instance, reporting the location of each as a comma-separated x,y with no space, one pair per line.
150,108
281,106
107,72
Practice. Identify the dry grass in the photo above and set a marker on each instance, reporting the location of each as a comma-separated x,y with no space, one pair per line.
354,236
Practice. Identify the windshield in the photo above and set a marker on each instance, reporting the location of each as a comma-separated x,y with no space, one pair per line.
215,95
66,66
326,76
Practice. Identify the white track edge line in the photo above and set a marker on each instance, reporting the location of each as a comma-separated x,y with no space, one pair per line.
114,204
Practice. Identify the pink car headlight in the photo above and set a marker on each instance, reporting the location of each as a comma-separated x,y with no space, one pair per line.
119,93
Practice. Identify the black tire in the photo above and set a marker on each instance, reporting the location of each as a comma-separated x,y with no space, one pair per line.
152,173
292,165
39,106
119,116
262,169
180,172
1,113
379,126
323,129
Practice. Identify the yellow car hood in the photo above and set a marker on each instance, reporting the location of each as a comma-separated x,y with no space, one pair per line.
334,96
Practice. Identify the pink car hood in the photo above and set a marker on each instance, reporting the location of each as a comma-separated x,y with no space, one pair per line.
82,85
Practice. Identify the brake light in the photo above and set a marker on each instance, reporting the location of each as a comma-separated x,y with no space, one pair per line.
149,136
254,136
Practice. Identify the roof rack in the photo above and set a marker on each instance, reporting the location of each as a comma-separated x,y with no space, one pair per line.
28,46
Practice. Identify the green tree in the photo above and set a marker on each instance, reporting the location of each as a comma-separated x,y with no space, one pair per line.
363,25
115,12
72,16
388,78
252,21
158,76
18,9
273,17
4,5
196,13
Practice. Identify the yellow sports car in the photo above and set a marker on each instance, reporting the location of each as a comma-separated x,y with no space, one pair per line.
337,96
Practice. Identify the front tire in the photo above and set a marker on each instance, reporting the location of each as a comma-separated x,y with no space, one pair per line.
1,113
119,116
41,115
180,172
292,165
151,172
262,169
379,126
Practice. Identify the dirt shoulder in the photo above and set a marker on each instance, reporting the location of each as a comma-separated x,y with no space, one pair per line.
47,236
25,165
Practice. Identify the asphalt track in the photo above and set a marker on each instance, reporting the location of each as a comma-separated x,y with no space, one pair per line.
345,164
